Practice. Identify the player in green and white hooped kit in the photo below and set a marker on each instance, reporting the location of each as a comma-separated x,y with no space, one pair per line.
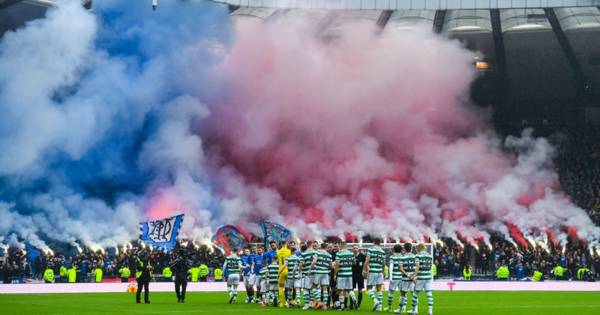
424,263
395,275
344,260
233,266
409,276
264,283
374,270
308,256
321,266
273,274
292,284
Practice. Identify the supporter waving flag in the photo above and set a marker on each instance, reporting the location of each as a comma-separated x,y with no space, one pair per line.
274,231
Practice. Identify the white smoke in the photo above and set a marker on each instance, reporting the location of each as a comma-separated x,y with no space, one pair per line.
175,153
92,100
35,62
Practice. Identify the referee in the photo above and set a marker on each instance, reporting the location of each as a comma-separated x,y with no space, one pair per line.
358,280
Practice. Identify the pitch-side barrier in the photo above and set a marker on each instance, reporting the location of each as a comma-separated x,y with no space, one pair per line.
439,285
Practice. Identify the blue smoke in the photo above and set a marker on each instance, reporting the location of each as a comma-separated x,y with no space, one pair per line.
99,111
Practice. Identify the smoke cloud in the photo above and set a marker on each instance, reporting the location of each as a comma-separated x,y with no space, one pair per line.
124,114
373,134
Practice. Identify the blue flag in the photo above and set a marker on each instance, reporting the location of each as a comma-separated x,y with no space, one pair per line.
274,231
32,252
161,233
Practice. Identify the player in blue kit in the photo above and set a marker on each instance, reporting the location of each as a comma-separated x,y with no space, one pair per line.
258,258
271,253
247,261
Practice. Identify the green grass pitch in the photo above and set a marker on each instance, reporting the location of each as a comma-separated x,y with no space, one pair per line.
446,303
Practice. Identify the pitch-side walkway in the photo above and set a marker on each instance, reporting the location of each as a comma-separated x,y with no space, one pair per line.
439,285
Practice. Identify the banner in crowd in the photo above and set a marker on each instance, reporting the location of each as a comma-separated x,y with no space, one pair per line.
161,233
274,231
230,238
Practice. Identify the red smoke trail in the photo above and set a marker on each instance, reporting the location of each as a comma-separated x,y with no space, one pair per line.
572,232
349,237
552,237
517,235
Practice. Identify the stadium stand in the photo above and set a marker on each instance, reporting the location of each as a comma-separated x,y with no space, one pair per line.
450,258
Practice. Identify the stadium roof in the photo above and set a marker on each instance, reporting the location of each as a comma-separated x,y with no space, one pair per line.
43,3
410,4
14,13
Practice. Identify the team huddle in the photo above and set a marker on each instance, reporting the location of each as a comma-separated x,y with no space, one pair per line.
323,276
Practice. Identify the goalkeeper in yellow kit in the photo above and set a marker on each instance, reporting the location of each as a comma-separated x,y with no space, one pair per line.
282,254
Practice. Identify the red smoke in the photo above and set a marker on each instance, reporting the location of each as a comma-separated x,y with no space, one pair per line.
367,134
161,206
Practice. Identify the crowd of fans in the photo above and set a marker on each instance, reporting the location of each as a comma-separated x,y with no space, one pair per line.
522,262
15,264
578,165
452,259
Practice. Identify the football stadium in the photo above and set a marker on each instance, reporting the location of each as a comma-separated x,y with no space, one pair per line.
297,156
